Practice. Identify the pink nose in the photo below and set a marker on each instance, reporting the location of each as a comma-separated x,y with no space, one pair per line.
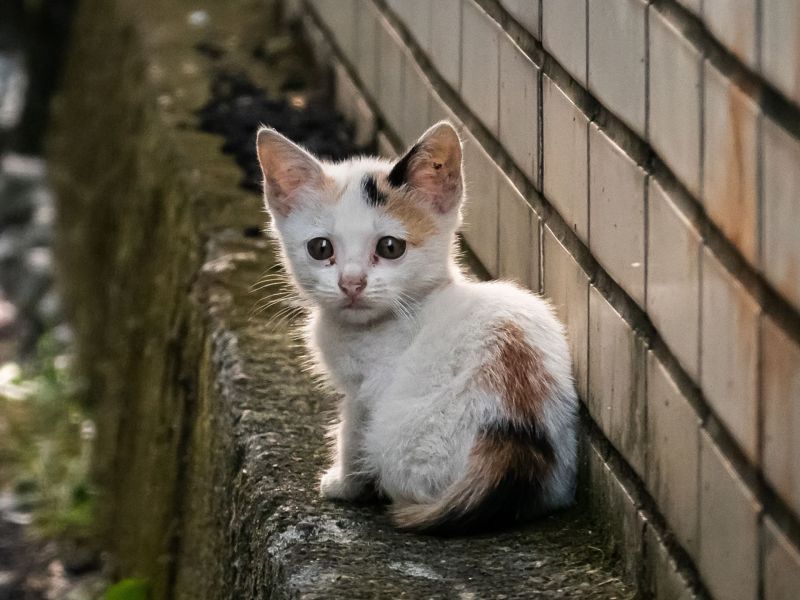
352,286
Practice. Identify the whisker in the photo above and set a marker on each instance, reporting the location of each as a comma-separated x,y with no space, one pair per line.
267,303
259,285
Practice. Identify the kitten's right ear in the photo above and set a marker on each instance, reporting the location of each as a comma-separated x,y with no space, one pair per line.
287,169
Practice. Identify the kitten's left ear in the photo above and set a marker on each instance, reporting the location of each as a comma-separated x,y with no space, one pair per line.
287,168
433,166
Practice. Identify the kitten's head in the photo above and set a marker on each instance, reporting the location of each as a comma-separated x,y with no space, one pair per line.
366,237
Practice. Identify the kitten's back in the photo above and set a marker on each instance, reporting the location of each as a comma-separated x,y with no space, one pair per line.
519,402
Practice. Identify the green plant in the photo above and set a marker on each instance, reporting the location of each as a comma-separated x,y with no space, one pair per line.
45,442
128,589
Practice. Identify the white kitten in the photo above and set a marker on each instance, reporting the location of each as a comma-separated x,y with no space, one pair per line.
459,404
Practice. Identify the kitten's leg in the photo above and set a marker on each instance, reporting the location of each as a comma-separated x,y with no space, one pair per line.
346,479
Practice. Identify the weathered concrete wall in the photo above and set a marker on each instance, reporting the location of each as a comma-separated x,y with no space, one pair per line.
138,190
639,164
210,431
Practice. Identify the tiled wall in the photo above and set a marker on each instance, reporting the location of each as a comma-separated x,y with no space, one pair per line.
638,163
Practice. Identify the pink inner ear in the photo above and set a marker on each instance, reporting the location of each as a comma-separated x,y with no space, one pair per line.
438,180
289,179
285,173
286,168
282,185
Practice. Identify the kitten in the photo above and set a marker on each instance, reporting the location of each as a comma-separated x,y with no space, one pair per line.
459,404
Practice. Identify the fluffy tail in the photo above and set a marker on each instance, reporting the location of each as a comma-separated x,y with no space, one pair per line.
505,482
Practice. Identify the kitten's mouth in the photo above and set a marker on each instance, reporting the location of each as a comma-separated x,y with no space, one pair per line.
354,304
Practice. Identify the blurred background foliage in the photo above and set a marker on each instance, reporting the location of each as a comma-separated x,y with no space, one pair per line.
45,442
47,541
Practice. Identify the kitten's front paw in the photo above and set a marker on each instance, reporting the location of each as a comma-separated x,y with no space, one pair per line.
335,486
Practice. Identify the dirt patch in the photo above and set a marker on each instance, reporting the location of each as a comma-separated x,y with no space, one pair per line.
307,116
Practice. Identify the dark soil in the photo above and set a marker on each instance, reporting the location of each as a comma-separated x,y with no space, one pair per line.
238,107
35,569
22,563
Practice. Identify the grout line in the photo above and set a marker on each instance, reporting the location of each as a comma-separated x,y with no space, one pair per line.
646,404
646,254
540,128
460,45
647,10
759,36
701,64
700,283
586,48
588,134
759,389
498,249
540,229
760,451
760,167
540,157
760,555
698,471
541,18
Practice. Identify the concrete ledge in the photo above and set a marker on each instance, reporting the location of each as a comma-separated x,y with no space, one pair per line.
261,416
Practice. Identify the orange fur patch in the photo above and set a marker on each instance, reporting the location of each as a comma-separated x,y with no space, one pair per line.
506,471
404,205
517,372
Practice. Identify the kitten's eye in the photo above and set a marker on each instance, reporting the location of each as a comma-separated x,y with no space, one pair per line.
320,248
390,247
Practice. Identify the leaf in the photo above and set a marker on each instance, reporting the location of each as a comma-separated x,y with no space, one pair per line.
128,589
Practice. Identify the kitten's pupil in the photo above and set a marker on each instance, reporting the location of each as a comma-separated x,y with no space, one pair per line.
390,247
320,248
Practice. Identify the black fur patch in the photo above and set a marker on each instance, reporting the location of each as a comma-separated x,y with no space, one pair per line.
374,196
518,494
399,174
